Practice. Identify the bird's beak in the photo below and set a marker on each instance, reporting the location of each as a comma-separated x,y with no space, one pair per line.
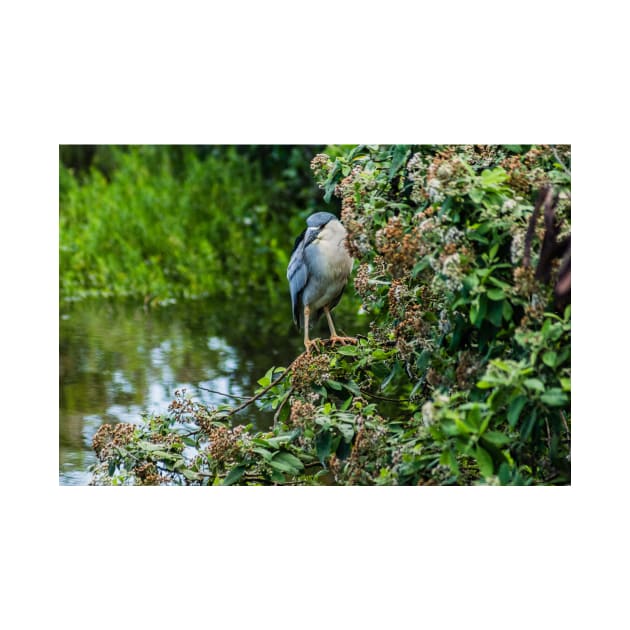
310,236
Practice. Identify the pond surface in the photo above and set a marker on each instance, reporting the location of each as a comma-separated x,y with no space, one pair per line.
119,361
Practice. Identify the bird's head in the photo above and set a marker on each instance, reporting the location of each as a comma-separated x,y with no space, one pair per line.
317,223
320,219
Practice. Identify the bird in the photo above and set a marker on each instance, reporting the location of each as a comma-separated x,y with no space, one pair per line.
318,272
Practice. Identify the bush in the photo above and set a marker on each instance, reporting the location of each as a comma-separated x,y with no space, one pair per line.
464,266
159,223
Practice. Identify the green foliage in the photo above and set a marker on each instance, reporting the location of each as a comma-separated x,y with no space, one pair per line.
159,222
465,376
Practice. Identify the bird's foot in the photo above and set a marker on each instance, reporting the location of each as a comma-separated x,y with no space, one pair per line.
343,340
309,344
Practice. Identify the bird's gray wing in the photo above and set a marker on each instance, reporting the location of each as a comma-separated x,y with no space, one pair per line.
297,275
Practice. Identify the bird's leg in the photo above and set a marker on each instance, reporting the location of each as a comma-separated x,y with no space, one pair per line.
333,333
307,342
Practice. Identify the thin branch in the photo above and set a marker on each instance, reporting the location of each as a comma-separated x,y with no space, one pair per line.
548,433
564,420
562,164
271,483
394,400
261,393
214,391
281,405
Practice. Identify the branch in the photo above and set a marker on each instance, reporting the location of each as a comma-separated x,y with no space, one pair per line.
394,400
262,392
214,391
281,405
562,164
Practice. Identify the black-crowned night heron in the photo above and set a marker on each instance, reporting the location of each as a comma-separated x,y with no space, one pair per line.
318,272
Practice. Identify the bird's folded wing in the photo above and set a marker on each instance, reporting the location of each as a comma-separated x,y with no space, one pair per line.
297,275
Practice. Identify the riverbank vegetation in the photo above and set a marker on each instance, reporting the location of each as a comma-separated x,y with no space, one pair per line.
160,223
462,262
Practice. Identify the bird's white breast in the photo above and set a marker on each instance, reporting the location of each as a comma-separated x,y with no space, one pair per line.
329,265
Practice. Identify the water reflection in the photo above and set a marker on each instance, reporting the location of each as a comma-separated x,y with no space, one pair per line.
119,361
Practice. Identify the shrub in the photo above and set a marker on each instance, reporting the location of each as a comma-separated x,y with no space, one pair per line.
464,266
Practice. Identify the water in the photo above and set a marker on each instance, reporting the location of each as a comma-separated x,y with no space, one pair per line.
120,360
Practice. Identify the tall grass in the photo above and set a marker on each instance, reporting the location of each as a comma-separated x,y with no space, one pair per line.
159,222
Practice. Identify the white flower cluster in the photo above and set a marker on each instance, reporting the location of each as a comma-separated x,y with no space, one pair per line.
434,190
453,235
517,247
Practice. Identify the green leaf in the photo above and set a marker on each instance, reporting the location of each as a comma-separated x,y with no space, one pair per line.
349,351
425,263
289,458
485,384
497,438
165,455
321,390
480,312
334,385
284,413
422,361
150,446
476,194
448,458
347,430
555,397
504,473
495,294
495,312
380,355
191,474
550,358
283,438
323,444
473,417
234,475
514,410
471,281
266,379
395,371
534,383
277,477
499,283
563,355
484,461
331,182
463,427
346,404
566,384
357,151
528,427
262,442
267,455
285,462
283,467
491,178
476,236
353,388
474,311
398,158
